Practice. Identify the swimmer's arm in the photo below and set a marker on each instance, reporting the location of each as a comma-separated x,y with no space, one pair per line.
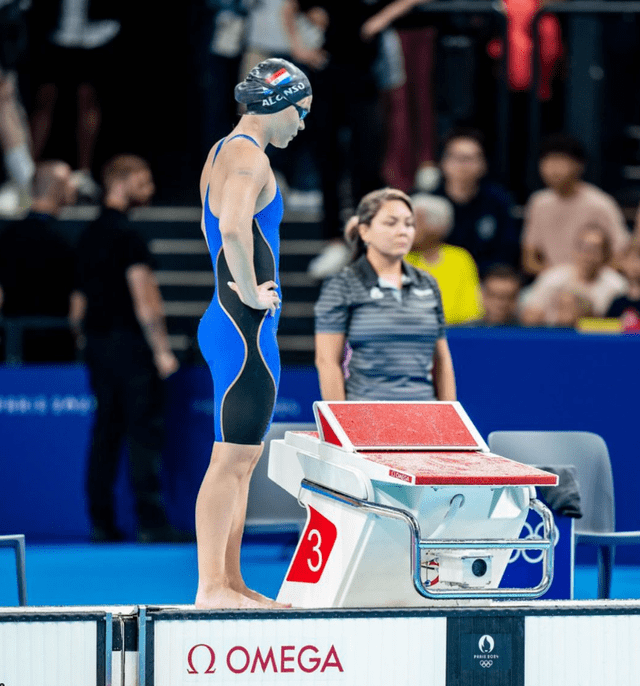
329,351
149,310
245,180
445,380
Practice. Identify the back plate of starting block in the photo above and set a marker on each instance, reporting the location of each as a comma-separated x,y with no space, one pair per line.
435,425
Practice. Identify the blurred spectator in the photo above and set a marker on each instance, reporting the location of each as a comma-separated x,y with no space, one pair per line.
75,57
483,223
618,104
520,14
500,296
127,353
627,306
520,60
13,33
38,267
15,196
555,215
346,104
266,36
14,131
226,28
587,276
388,312
295,165
636,225
568,306
451,266
410,159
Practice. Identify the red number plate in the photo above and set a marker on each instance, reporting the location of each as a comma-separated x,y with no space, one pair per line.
314,549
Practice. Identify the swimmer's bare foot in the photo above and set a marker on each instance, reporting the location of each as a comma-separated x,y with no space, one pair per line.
254,595
228,599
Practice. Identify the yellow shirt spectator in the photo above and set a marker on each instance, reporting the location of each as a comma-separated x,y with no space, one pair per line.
457,275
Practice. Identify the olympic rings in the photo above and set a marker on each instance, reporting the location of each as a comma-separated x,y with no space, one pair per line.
533,556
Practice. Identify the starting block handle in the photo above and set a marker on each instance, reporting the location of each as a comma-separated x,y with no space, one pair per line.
546,544
355,483
417,544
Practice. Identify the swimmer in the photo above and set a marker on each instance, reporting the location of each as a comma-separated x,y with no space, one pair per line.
242,210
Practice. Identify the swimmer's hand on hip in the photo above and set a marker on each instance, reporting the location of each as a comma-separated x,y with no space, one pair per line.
266,298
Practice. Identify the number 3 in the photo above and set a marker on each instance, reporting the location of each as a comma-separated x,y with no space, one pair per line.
315,549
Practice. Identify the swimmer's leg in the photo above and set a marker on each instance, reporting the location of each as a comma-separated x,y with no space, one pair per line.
222,495
232,559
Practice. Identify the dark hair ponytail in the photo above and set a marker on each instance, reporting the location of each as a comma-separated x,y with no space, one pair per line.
353,238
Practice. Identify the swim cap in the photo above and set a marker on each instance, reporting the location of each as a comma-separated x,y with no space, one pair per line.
272,86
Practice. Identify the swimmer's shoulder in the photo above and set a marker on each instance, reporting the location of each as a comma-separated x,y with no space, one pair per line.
242,161
239,151
206,170
238,154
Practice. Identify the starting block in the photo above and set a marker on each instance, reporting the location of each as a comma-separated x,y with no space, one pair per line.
375,471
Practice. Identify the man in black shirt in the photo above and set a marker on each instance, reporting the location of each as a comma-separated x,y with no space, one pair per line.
38,267
127,353
483,223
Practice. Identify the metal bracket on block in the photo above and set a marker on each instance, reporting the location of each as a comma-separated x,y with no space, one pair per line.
544,544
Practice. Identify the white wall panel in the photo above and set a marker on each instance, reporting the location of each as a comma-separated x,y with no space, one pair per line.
582,650
48,653
353,651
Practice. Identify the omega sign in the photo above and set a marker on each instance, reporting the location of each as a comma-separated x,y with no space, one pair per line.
202,659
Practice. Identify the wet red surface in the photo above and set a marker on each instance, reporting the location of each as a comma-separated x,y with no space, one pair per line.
403,424
461,468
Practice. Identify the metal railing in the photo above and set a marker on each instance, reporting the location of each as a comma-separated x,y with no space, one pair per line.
418,544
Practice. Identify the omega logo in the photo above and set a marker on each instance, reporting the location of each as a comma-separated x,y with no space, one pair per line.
201,659
212,659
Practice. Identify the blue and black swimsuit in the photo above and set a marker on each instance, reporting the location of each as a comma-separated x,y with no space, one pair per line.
239,343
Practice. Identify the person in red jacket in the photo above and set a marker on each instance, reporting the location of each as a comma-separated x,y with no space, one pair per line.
520,15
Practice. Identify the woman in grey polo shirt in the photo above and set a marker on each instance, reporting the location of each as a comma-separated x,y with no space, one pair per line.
389,312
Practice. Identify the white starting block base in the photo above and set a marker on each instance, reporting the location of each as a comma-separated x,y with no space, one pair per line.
408,513
540,643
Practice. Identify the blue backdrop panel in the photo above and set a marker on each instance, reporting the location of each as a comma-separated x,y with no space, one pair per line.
506,380
45,416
